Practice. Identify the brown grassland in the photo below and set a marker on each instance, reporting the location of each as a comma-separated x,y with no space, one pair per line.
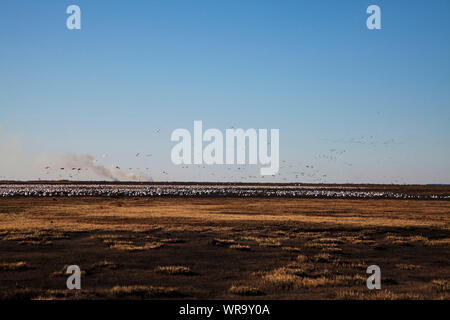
223,248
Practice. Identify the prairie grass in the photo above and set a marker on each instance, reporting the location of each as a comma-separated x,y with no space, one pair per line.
133,247
296,246
172,240
272,243
322,258
20,294
243,290
13,266
332,250
296,278
240,247
102,265
375,295
417,240
34,238
441,285
81,216
439,242
264,241
223,242
58,294
174,270
145,292
280,279
291,249
408,267
112,242
329,241
362,241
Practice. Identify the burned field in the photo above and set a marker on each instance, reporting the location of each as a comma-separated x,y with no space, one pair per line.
220,247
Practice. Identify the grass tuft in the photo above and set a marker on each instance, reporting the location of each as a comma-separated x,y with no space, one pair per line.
245,290
13,266
145,292
174,270
240,247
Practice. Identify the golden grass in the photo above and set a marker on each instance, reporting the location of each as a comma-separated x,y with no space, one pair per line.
98,266
132,247
332,250
243,290
34,237
375,295
291,249
80,217
109,236
296,278
13,266
174,270
124,292
41,294
441,285
440,242
240,247
20,294
403,266
252,238
223,242
323,258
417,240
145,292
265,241
113,242
271,243
280,279
58,294
362,241
139,226
329,241
172,240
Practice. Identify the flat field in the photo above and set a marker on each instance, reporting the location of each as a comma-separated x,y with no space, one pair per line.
223,248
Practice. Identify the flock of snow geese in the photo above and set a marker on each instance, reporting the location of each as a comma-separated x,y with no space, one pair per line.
199,190
289,171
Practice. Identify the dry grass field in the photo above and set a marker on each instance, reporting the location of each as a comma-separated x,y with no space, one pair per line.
223,248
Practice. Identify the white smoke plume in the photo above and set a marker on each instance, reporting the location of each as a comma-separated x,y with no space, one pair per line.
88,162
18,164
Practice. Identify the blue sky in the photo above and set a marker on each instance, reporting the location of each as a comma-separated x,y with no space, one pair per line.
309,68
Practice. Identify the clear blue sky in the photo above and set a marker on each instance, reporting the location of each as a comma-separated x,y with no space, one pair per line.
310,68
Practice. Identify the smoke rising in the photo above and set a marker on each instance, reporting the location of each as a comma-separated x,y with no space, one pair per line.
17,164
88,162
